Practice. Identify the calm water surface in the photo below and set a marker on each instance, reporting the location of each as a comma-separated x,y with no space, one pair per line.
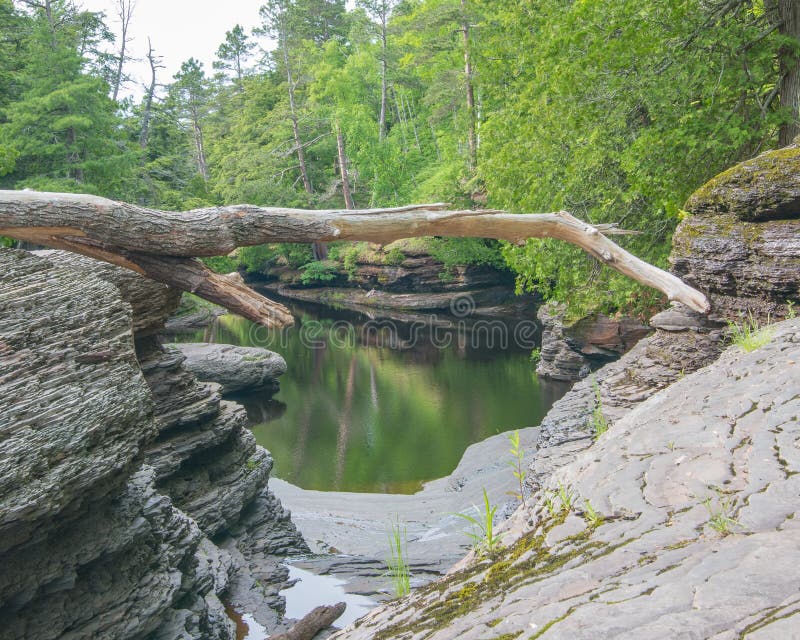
383,406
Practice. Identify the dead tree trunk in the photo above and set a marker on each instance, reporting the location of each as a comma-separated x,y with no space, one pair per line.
125,12
162,244
348,196
472,143
147,111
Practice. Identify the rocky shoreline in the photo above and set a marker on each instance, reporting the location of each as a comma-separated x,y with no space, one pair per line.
134,498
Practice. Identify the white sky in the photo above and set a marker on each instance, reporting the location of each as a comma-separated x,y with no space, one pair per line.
178,29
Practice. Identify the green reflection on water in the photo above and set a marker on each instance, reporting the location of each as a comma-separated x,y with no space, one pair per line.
350,417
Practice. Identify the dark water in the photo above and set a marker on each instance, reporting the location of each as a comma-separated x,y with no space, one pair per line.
384,405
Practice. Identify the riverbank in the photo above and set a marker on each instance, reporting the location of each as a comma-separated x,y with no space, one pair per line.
349,531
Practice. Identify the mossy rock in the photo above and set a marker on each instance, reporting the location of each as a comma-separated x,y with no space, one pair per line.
766,187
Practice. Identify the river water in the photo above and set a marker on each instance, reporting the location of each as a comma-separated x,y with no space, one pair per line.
383,405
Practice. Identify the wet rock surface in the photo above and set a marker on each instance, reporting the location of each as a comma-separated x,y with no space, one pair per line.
234,368
696,488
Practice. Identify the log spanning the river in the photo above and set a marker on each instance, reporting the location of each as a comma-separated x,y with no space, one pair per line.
163,245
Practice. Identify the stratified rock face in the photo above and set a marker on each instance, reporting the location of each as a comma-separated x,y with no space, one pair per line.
88,547
741,246
151,302
235,368
74,407
417,272
571,352
697,490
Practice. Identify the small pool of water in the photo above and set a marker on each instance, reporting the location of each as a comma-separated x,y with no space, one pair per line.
312,590
382,405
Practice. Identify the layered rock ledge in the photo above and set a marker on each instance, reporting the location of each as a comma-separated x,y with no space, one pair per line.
696,535
131,496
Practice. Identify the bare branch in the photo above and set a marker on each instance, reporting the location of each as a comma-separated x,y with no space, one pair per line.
124,229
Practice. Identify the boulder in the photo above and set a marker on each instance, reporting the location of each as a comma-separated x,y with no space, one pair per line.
235,368
766,187
741,243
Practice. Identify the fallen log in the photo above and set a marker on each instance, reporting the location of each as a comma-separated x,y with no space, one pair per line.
162,244
314,622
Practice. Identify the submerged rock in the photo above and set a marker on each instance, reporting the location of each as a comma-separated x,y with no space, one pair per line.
235,368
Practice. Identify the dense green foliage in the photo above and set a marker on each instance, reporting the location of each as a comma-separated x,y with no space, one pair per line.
613,111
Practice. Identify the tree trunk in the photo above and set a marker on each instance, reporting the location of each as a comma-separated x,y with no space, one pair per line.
788,13
125,13
301,156
320,251
199,146
348,197
144,135
147,241
472,146
382,117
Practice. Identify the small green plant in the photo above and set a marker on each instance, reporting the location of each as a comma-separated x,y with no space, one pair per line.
317,271
350,260
251,465
566,496
599,422
550,503
398,559
536,357
395,257
721,518
748,335
517,464
484,539
791,314
592,516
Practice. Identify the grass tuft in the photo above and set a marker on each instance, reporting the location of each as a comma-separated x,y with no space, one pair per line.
748,335
398,559
484,539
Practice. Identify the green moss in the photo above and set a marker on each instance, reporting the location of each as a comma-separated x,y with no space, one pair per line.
528,560
546,627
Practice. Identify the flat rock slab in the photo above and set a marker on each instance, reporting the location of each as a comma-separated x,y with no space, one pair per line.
235,368
679,522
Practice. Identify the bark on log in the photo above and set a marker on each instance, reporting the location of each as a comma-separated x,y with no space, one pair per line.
129,235
319,619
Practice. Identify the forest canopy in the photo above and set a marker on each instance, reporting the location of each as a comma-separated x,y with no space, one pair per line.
614,111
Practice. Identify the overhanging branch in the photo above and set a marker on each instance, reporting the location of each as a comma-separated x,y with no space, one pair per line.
145,239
